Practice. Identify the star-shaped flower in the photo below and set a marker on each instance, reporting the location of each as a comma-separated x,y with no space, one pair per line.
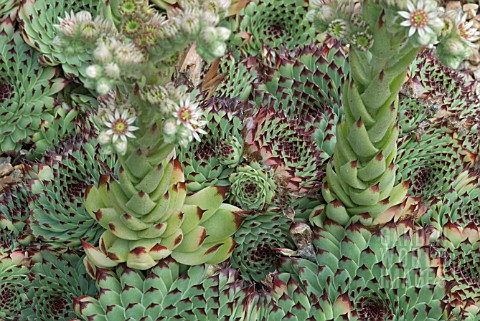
120,126
423,19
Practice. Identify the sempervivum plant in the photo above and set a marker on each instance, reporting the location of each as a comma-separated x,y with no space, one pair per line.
432,160
13,284
26,90
59,184
449,95
167,292
56,280
251,187
257,240
307,81
271,23
148,215
39,20
287,147
386,273
210,161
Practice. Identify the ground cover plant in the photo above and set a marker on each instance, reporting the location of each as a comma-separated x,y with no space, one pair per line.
238,160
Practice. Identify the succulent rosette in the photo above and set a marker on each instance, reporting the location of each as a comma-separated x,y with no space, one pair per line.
373,274
211,160
287,147
257,240
58,185
168,291
251,187
434,166
26,90
277,25
449,97
230,77
460,204
56,280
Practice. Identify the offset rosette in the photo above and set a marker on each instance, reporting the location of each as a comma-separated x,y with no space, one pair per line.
167,292
148,216
373,274
252,189
257,239
283,297
460,204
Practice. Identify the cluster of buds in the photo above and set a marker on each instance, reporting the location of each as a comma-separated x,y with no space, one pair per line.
419,22
115,60
78,31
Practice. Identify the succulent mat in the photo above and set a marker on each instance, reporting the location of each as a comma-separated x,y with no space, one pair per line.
238,160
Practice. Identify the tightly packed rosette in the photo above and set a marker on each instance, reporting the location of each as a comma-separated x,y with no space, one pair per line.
255,254
148,215
251,188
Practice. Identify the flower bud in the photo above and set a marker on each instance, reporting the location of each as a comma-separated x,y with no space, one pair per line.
102,53
120,147
112,70
102,87
209,34
170,127
104,138
223,33
218,48
83,16
93,71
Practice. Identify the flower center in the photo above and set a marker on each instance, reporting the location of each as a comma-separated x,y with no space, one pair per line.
419,18
120,127
184,114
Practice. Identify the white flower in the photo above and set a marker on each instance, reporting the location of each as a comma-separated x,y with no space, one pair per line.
467,30
120,126
120,147
188,115
422,19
